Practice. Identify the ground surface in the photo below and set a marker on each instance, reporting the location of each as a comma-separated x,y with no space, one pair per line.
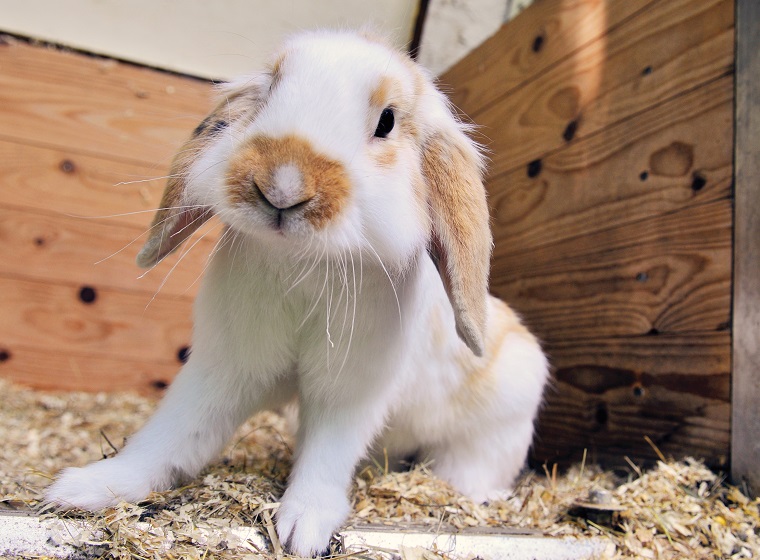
676,510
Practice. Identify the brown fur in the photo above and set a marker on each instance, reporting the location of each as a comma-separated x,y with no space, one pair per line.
325,182
461,238
276,70
384,92
481,380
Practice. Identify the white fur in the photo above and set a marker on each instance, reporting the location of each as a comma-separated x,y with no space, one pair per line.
339,317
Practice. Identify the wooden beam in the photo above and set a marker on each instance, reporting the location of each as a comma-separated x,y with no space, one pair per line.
745,441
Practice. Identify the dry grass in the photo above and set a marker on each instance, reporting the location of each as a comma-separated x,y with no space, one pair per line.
676,510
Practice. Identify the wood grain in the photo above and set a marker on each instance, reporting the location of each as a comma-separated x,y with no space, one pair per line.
669,273
65,182
63,370
117,325
545,34
84,143
611,196
678,154
96,106
68,250
674,389
602,407
745,456
666,50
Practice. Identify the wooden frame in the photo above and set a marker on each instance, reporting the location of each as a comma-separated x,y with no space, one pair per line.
745,443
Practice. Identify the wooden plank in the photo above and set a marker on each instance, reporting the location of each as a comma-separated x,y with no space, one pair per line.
606,396
668,274
66,250
61,370
62,181
97,106
612,201
674,47
745,456
545,33
676,155
117,325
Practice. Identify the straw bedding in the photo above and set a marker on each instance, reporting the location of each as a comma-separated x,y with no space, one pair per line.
676,510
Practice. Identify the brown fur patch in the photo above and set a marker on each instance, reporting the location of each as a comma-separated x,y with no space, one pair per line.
461,235
325,182
384,92
276,70
481,376
386,155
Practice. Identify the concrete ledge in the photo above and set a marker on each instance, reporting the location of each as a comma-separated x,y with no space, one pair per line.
23,534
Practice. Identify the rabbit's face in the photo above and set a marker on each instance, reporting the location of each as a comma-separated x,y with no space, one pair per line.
343,146
330,154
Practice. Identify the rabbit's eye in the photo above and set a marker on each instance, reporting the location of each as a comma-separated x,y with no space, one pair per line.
385,125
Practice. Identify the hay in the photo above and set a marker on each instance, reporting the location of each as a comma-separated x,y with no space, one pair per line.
676,510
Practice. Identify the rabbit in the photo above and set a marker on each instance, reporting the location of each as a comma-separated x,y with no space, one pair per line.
352,274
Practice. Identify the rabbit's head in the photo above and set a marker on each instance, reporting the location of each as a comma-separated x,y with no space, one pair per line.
343,145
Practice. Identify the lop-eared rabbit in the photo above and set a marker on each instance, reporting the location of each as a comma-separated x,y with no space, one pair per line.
352,273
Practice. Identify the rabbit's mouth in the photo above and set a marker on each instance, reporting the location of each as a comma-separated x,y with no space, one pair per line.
288,183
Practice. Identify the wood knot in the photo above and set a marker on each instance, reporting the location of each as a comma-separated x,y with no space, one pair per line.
538,43
698,182
534,168
674,160
570,130
183,354
87,294
67,166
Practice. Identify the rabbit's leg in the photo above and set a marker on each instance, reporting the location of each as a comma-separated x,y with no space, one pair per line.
484,463
199,413
332,440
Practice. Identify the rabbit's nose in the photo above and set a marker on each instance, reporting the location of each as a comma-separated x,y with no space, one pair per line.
286,189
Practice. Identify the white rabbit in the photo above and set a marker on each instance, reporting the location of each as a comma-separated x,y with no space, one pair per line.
352,273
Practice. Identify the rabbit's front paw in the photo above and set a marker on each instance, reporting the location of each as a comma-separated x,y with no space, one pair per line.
99,485
307,519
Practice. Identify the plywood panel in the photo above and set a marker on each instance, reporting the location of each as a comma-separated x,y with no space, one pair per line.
674,389
63,370
115,325
65,182
545,34
61,249
611,196
678,154
96,106
664,51
84,144
668,273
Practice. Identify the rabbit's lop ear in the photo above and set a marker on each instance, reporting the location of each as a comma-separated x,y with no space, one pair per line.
179,215
461,237
176,219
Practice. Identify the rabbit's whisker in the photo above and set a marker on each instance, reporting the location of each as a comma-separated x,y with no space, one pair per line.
390,279
179,260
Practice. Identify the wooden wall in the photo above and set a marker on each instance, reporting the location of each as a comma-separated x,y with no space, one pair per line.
73,130
610,125
611,130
